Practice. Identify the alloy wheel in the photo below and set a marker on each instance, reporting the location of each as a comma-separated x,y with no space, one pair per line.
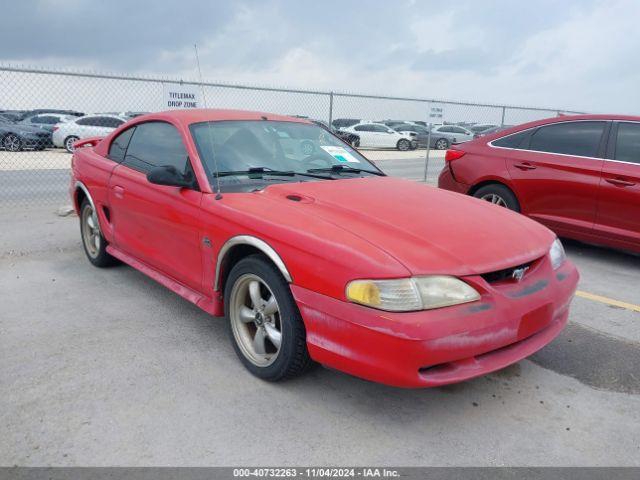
12,143
255,320
68,143
442,144
495,199
90,231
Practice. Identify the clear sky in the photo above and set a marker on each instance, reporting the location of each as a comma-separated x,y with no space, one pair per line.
573,54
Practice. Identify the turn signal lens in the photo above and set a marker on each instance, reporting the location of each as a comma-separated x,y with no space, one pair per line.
452,155
411,294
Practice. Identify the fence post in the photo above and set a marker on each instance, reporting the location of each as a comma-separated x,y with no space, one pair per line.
426,158
330,109
504,109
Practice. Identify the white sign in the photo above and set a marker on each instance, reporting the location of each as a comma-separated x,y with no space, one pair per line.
436,113
178,97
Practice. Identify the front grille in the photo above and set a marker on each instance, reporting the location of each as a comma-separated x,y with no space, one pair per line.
501,275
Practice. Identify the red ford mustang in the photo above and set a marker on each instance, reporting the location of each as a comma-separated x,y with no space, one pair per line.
578,175
314,255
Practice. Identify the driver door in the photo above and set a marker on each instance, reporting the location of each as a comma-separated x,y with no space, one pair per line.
158,225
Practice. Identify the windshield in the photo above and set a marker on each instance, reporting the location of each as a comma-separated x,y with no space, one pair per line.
250,155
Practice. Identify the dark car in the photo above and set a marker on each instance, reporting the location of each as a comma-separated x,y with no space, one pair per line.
340,123
11,115
38,111
578,175
348,137
15,137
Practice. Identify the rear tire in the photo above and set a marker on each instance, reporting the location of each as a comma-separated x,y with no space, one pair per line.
12,143
265,326
68,143
498,194
442,144
94,244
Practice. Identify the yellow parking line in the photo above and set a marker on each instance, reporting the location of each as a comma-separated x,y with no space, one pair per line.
608,301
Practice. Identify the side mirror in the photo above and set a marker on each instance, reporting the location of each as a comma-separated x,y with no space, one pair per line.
170,176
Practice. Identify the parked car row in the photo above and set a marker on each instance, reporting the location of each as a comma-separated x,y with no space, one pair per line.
43,128
412,134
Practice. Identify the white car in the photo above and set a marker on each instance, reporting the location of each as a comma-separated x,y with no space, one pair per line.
96,125
378,135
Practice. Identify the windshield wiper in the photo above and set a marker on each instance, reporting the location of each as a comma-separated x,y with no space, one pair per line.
268,171
345,168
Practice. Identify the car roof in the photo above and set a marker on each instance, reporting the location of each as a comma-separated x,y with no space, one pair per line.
562,118
198,115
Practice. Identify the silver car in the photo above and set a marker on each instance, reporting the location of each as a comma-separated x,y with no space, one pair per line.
443,136
96,125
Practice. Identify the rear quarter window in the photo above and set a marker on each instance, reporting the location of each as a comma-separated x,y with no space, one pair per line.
568,138
515,140
119,145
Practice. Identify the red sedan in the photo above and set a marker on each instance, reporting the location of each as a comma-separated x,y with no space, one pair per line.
314,255
578,175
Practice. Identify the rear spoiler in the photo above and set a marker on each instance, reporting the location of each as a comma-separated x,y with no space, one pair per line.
88,142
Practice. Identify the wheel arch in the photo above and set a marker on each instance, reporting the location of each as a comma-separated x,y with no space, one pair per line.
81,192
490,181
239,247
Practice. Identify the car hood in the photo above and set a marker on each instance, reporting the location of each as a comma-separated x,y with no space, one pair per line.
427,230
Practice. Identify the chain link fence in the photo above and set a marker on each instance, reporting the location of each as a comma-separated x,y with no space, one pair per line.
34,165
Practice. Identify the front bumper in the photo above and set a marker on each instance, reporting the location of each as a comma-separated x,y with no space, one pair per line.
511,321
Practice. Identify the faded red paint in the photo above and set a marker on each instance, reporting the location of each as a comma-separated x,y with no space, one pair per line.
377,227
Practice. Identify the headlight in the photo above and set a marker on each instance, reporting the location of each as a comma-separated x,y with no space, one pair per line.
557,255
411,294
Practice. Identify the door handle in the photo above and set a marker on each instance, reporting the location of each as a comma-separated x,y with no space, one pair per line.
118,191
619,182
525,166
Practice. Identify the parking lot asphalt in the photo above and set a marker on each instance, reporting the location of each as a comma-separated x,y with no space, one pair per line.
106,367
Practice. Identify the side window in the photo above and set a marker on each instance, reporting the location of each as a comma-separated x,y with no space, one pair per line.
379,128
364,128
112,122
49,120
35,119
156,144
628,143
516,140
569,138
88,121
445,129
119,145
458,130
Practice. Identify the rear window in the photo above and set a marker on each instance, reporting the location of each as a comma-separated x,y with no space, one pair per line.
569,138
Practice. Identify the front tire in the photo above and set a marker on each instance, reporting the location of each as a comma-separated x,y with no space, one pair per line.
403,145
265,326
499,195
95,245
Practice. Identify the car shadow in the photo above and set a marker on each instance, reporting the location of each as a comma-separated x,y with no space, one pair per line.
601,253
